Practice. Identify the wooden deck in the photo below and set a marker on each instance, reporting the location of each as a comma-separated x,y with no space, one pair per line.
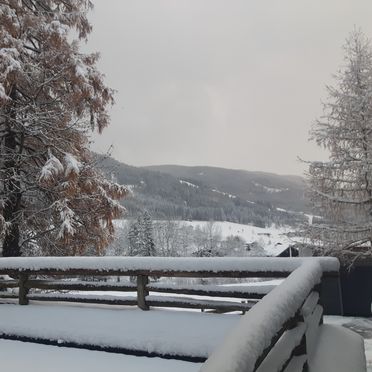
279,328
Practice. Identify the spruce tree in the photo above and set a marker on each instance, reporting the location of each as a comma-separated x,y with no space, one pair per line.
140,236
148,245
133,239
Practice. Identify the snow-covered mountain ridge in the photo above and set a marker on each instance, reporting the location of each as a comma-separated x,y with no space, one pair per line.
208,193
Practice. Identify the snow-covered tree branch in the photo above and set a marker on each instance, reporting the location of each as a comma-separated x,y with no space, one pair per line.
51,96
341,188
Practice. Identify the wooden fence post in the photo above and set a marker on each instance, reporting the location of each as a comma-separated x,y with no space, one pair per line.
142,292
23,291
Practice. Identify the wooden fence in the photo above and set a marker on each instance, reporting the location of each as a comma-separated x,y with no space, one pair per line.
280,325
280,332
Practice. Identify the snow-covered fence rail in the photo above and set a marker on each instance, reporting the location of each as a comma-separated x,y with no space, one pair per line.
60,271
280,332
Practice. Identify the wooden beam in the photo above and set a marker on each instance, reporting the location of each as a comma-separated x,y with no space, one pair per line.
81,299
8,284
191,303
207,292
153,273
80,286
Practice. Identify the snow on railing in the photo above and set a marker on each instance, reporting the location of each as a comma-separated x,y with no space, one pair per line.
280,326
278,330
215,266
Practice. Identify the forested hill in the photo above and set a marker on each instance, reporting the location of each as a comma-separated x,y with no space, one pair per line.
209,193
285,192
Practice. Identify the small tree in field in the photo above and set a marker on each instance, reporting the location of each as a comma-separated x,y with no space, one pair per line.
207,240
52,200
140,236
341,188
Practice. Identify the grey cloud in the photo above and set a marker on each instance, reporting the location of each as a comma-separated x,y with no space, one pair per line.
231,83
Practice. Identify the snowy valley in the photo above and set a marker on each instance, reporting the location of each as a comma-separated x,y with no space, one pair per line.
184,238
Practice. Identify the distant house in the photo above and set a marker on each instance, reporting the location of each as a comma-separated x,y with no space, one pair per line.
290,251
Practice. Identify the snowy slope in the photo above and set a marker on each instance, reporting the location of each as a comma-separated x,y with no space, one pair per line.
273,238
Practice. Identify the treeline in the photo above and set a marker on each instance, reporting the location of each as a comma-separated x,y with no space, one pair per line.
235,210
169,238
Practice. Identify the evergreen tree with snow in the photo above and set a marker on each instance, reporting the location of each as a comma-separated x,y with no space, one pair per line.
141,237
133,249
52,199
148,245
341,188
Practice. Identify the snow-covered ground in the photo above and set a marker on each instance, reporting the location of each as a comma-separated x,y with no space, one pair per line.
162,332
273,239
363,326
16,356
155,331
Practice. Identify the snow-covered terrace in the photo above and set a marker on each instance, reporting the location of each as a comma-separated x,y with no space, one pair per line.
280,332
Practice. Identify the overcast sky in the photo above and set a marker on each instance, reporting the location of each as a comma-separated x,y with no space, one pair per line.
230,83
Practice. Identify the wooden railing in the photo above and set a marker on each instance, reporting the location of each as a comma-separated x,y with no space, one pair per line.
278,330
45,274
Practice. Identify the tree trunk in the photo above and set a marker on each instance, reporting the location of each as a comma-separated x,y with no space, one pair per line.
12,186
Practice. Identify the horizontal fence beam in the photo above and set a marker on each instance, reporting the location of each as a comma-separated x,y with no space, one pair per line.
80,286
81,299
157,273
213,291
167,266
95,347
153,273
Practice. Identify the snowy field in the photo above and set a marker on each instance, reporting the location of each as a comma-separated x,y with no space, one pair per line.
273,239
